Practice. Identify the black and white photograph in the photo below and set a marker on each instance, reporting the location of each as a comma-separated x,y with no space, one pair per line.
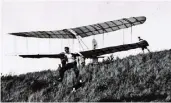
85,51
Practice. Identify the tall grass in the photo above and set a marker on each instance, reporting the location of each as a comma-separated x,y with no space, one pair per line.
144,77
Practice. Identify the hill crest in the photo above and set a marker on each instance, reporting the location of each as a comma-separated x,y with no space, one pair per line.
144,77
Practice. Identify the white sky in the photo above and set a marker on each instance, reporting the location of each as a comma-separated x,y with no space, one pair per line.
55,15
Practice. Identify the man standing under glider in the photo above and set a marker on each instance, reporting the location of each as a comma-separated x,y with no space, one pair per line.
68,61
144,46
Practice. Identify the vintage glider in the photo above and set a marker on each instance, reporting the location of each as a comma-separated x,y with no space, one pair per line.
85,31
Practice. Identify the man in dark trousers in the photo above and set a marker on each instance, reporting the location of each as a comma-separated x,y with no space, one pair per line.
144,46
68,61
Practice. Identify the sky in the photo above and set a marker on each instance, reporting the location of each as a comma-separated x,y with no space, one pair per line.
24,16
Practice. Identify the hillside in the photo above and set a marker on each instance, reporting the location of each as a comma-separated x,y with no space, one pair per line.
144,77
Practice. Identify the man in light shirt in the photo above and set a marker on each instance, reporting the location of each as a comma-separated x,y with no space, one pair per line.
68,62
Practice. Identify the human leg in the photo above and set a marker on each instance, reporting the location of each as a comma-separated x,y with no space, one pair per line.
143,50
61,72
75,69
148,50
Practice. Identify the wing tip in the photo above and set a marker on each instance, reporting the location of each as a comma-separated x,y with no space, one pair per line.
141,18
14,34
144,18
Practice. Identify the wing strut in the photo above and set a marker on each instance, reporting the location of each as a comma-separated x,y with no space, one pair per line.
83,43
49,44
61,44
78,38
123,37
38,45
80,43
131,33
15,46
72,44
27,45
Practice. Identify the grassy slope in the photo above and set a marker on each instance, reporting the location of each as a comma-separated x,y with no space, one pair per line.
134,78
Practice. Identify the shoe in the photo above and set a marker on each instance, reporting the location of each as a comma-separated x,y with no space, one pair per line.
60,79
73,90
80,81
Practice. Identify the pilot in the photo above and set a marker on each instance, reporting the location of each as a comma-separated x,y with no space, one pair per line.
144,46
68,62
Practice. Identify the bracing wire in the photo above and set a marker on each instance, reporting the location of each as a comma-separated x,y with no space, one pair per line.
131,72
68,43
27,44
61,44
80,44
123,37
38,46
131,33
15,44
84,43
72,44
103,39
49,45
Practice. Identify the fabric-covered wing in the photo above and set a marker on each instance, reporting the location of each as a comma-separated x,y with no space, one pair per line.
64,34
113,49
85,31
109,26
43,56
94,53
